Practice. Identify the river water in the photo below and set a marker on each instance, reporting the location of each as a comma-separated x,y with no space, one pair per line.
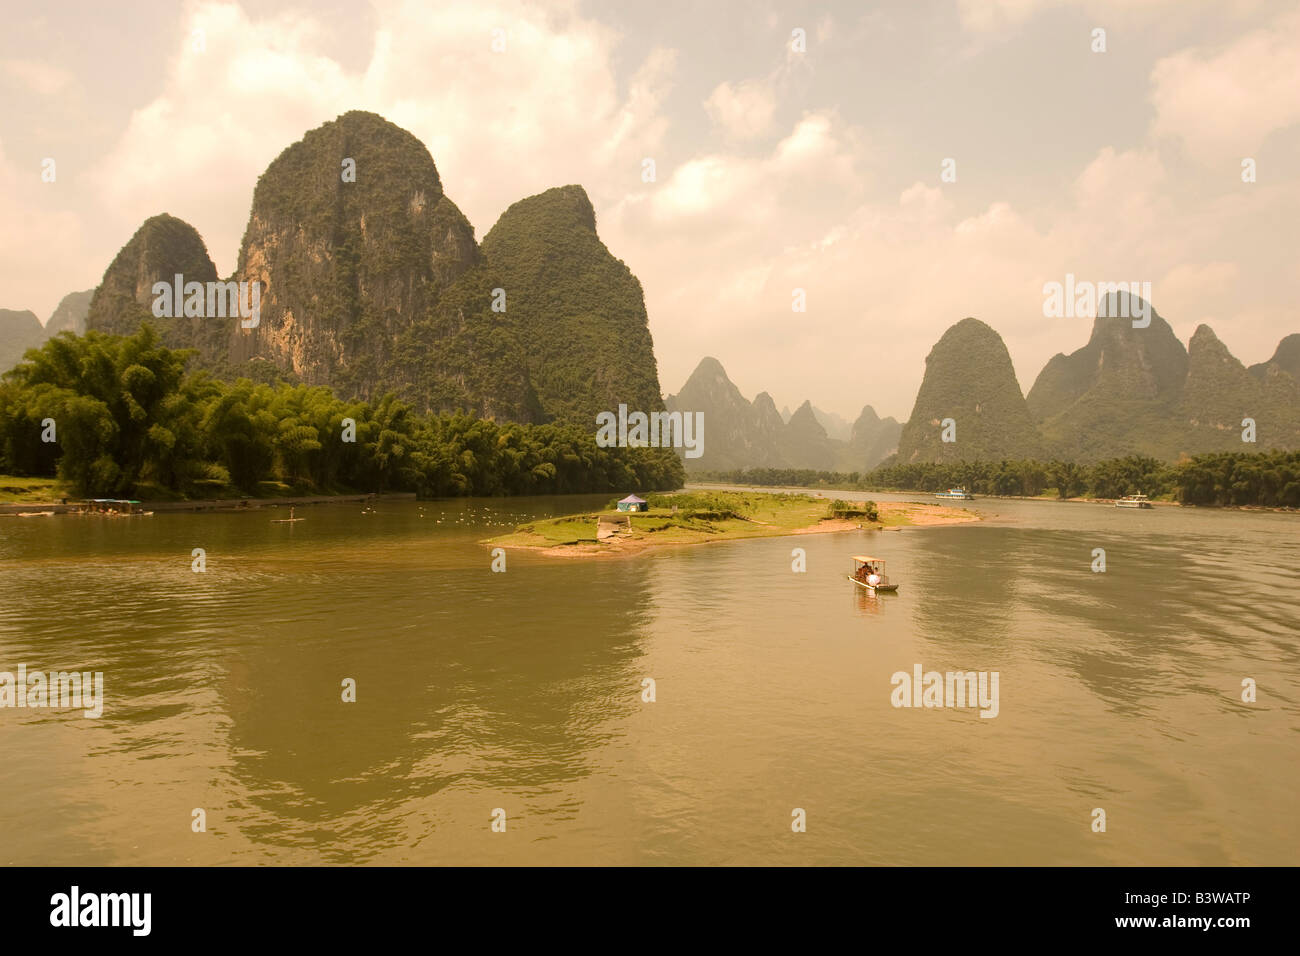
522,690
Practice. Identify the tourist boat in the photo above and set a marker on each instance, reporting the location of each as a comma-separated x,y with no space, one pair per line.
959,493
35,514
1134,501
869,573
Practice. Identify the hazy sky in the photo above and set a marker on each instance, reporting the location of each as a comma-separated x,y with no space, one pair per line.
776,169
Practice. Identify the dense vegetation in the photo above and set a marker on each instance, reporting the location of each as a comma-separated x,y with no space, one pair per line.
1139,391
130,420
717,505
1267,479
969,378
852,509
580,311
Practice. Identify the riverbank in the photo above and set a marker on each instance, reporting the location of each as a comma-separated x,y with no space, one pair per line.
1081,500
70,506
717,516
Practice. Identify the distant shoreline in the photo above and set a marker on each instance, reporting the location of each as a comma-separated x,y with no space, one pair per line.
1278,509
210,504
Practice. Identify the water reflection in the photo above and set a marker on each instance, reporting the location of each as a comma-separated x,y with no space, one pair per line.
522,690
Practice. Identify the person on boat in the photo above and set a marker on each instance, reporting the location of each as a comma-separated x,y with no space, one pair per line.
874,577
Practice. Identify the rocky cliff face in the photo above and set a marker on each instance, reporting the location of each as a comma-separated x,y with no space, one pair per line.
371,278
347,266
371,281
969,379
70,315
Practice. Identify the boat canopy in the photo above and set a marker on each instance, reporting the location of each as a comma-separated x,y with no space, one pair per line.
866,559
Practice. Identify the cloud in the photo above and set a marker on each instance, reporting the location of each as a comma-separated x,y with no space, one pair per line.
986,16
46,243
546,111
743,110
38,77
1223,105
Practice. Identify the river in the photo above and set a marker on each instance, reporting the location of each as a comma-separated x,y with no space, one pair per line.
522,690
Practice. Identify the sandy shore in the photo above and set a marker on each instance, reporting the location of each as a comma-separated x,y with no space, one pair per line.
924,516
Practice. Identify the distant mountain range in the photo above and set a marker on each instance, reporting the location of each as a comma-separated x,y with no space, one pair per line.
1127,391
20,331
1140,391
744,434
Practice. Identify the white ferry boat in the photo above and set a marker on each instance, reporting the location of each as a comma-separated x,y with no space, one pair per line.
1134,501
959,493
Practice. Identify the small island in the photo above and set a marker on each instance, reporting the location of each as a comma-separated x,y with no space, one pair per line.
701,517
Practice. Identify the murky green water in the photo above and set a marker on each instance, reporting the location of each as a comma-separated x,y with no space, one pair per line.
523,691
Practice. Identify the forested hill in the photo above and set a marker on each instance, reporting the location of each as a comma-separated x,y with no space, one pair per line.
579,310
971,385
372,281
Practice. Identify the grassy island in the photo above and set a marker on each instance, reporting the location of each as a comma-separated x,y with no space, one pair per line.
701,517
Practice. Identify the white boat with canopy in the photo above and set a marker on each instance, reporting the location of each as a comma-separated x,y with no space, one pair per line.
869,573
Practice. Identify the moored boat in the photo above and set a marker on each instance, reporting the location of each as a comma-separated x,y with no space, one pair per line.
869,573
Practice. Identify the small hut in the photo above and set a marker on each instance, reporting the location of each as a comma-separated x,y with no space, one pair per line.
633,503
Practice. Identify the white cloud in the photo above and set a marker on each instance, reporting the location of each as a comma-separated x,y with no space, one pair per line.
1223,105
545,112
41,78
44,244
742,110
